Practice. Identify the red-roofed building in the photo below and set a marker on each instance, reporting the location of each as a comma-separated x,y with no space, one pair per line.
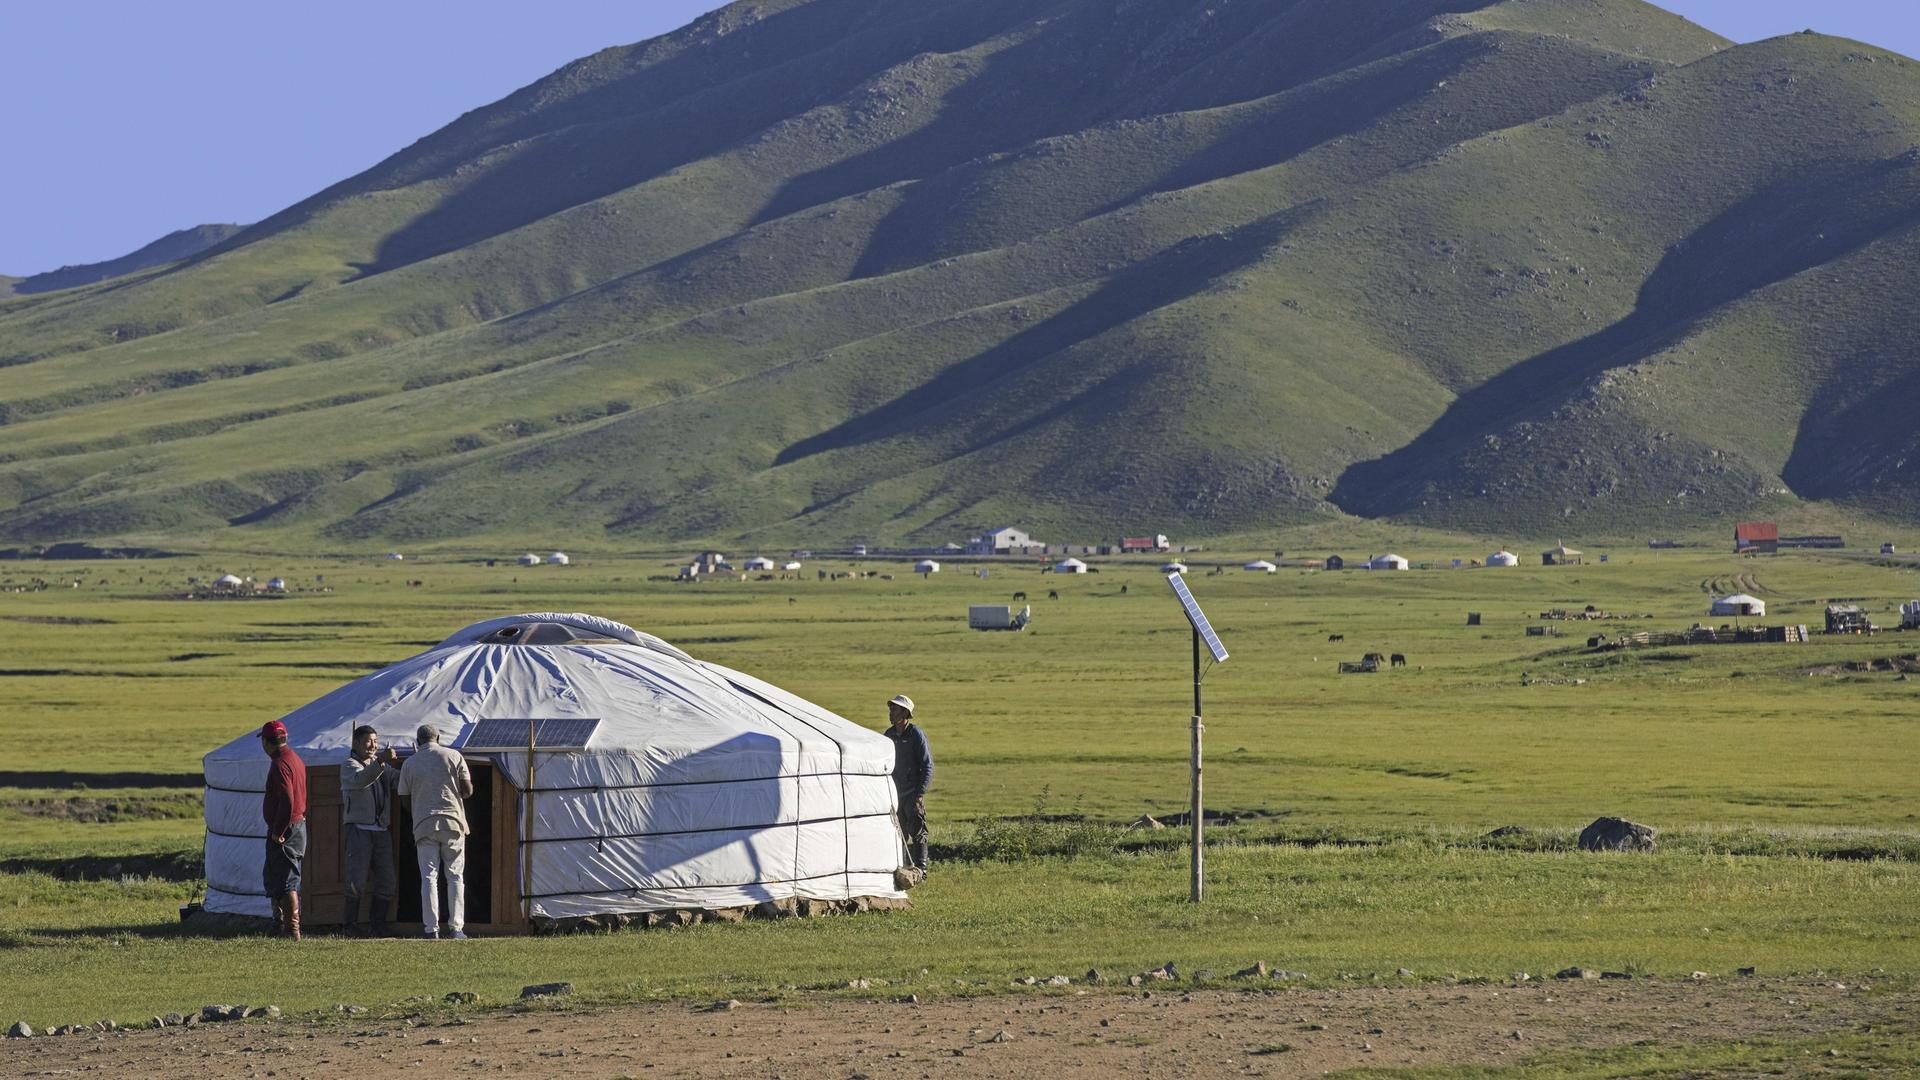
1756,536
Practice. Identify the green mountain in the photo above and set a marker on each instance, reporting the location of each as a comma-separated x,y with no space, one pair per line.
818,269
176,245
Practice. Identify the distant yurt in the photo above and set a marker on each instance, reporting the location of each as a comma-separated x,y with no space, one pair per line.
278,584
926,566
1387,562
1503,558
228,581
1910,615
760,562
1174,568
395,556
659,783
1261,566
1739,604
529,559
1069,566
558,558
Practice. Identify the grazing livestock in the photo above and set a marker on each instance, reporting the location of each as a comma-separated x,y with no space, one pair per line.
1399,660
1053,594
1336,637
1019,597
1375,658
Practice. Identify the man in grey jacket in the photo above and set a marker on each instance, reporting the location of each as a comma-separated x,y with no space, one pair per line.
436,783
367,781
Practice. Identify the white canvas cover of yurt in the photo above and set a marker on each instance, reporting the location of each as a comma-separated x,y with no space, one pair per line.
1739,604
691,787
529,559
1174,568
926,566
1503,558
1387,562
1261,566
228,581
1069,566
760,562
558,558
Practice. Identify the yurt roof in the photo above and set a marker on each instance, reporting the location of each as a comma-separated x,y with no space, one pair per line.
1738,599
666,714
1070,562
1260,564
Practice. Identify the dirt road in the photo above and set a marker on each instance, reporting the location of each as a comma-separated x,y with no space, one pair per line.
1276,1032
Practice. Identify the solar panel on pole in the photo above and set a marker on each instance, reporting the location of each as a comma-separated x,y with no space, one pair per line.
1197,617
1202,631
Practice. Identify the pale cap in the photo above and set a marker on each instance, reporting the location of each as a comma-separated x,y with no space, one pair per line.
903,701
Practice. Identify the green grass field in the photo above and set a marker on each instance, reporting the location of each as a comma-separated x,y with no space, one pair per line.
1789,804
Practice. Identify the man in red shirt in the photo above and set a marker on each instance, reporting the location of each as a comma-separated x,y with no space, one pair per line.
285,809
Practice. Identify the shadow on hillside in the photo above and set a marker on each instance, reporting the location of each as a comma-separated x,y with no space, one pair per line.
1852,437
1172,276
641,127
1783,230
1024,94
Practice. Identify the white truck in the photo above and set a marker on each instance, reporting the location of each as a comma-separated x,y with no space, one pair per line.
997,617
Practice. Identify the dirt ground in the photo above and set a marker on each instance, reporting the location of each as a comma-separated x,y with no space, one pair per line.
1161,1033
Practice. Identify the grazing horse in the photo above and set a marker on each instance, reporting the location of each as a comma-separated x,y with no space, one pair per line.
1336,637
1053,594
1399,660
1375,658
1019,596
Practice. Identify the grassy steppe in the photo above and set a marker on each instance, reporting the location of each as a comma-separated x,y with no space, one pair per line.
1788,803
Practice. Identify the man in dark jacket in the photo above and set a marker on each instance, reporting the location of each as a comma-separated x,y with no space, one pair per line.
285,809
912,775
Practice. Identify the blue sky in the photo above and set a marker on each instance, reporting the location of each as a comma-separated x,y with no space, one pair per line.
126,119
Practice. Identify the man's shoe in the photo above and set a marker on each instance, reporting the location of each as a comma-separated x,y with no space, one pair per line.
458,935
293,915
430,935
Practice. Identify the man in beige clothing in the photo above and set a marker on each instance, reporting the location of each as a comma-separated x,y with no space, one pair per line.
435,782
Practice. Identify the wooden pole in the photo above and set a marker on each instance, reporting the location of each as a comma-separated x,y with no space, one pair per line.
1198,884
526,837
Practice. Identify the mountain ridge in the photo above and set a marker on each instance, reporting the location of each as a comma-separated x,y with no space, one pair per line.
1425,271
173,247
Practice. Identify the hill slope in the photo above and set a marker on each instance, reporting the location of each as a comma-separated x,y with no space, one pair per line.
176,245
900,268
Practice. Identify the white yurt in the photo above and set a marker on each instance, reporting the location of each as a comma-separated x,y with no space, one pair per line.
395,556
1261,566
926,566
228,581
1069,566
1387,562
529,559
1739,604
1174,568
1503,558
662,782
558,558
760,562
278,584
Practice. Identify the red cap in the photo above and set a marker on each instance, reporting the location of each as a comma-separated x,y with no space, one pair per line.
273,729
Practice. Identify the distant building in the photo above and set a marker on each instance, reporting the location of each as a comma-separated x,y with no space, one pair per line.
1503,558
1388,562
1813,542
1561,555
1175,567
529,559
1261,566
1002,541
558,558
760,562
1889,549
1739,604
1756,537
1069,566
926,566
1335,562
